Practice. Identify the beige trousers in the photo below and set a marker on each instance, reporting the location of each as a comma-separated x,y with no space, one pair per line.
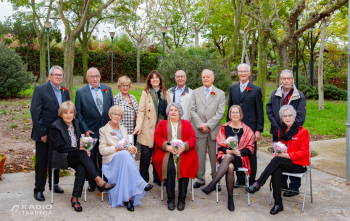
202,145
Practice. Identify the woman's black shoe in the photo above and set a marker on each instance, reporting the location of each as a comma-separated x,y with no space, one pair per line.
77,209
148,187
103,188
230,204
252,189
207,190
130,206
276,209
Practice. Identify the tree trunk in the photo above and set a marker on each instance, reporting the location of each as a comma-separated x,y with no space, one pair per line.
42,62
262,63
235,37
69,50
138,76
320,66
196,39
85,56
253,56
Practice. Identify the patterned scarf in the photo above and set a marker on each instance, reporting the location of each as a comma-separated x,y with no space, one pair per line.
159,106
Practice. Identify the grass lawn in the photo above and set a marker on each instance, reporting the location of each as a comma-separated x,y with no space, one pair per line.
329,123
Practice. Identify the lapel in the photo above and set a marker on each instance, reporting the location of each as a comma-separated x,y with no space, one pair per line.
202,94
104,97
211,97
90,98
50,90
245,91
236,90
65,131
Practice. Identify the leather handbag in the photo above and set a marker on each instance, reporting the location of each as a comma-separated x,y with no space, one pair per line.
59,160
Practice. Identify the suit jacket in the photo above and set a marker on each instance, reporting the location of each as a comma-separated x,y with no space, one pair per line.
146,118
185,101
44,109
60,139
210,112
87,111
251,104
108,142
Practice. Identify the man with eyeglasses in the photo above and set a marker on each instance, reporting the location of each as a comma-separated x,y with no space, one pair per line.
248,96
46,101
182,94
92,103
287,93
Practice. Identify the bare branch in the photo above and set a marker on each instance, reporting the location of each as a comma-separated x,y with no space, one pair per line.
248,13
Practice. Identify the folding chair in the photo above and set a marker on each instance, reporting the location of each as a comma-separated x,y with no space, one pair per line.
52,187
241,169
300,175
162,187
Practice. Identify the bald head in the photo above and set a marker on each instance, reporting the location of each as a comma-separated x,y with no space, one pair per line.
180,78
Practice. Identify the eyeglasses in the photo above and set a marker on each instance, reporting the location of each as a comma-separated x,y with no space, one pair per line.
125,86
289,116
94,76
285,79
243,71
57,75
234,113
180,76
116,115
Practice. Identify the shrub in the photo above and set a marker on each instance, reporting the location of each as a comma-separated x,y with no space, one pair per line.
13,75
193,61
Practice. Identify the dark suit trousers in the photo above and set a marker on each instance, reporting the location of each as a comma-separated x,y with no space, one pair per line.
41,152
275,168
170,183
84,169
253,166
145,161
96,159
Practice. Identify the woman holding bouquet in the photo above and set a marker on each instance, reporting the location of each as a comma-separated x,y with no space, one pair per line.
295,160
65,137
167,156
230,158
119,166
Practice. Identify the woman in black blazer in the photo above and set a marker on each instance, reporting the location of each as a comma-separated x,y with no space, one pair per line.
65,137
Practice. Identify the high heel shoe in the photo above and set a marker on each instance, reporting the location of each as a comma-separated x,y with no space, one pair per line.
230,204
130,206
252,189
77,209
103,188
207,190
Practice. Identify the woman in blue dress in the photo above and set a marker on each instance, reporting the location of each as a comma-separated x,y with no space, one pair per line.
119,166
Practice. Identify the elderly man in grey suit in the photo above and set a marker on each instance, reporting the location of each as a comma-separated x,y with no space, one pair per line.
207,110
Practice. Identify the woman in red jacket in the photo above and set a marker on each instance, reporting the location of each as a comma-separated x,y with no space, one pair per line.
163,159
297,139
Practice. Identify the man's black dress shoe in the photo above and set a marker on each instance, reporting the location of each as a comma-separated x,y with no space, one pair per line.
252,189
290,193
77,209
57,189
91,188
129,206
103,188
39,196
230,204
181,206
197,185
171,206
276,209
148,187
238,184
219,188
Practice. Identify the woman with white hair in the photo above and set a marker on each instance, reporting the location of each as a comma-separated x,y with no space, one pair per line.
163,160
296,138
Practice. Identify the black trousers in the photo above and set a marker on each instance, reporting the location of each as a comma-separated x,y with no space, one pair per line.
170,183
275,168
253,167
41,152
96,159
146,154
84,169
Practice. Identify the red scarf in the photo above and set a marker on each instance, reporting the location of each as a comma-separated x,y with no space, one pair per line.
246,141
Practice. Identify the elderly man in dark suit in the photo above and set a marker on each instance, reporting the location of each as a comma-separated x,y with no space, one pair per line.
92,103
249,97
46,101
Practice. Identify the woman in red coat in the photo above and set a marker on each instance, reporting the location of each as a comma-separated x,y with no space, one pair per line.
163,159
297,140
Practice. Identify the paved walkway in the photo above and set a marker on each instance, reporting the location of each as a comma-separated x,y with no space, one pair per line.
331,202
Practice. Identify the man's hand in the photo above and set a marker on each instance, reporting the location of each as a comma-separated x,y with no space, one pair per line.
87,134
257,136
204,128
44,139
136,131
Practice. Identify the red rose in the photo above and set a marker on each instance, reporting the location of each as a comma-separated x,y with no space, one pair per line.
105,90
289,97
248,89
63,89
212,94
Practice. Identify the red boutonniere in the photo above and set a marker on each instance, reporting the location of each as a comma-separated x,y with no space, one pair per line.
289,97
105,90
63,89
212,94
248,89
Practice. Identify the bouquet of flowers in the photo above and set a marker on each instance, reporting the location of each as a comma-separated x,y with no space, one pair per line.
123,144
232,142
177,144
279,147
89,143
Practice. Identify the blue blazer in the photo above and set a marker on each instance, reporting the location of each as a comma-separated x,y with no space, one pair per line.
87,111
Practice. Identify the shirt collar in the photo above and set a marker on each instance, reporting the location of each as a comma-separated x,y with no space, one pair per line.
182,89
287,91
210,88
245,84
54,87
99,86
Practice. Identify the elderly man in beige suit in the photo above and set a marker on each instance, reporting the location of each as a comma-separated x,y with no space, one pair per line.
207,110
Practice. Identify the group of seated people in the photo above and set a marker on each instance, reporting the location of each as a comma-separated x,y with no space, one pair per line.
125,184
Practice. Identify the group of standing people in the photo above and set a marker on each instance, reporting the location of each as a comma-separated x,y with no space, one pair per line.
180,113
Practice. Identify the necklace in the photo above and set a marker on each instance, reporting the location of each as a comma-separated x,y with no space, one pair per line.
233,130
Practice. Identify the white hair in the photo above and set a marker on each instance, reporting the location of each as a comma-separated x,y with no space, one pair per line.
286,71
87,72
54,68
178,71
287,107
212,73
243,64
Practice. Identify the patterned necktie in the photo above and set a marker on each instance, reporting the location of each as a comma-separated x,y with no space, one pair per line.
206,94
242,88
98,101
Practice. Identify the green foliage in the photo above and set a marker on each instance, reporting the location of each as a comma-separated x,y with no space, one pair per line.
1,156
193,61
13,78
120,43
13,125
63,172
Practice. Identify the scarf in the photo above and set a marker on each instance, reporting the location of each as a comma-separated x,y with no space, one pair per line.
290,133
160,105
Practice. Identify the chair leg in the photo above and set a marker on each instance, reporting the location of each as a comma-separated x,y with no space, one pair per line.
102,191
271,196
306,176
192,190
161,190
311,185
247,185
217,192
52,187
85,189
